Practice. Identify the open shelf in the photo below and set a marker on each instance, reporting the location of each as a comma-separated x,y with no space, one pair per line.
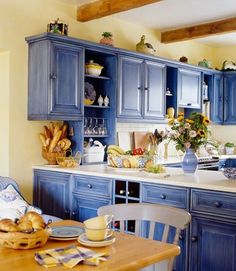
97,76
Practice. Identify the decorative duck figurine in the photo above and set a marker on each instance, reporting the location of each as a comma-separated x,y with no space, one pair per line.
143,47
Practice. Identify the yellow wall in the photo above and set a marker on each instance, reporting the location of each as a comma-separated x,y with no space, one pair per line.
19,19
4,113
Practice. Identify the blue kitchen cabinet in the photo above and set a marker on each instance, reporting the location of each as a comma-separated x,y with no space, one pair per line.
212,231
141,88
55,86
51,193
229,98
189,88
88,194
212,244
216,99
170,196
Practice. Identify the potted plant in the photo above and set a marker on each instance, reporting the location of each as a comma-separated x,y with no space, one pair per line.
107,39
229,148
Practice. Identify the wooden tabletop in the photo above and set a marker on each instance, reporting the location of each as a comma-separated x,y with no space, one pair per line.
128,253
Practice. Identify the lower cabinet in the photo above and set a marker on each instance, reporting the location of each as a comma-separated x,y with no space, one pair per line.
51,192
176,197
213,244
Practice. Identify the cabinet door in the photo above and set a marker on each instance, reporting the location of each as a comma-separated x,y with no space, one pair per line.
189,88
216,99
51,193
66,74
130,87
213,245
84,207
154,106
230,98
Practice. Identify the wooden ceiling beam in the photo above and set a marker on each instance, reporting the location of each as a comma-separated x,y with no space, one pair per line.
199,31
101,8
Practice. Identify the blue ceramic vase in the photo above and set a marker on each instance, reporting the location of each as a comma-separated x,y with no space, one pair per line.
190,162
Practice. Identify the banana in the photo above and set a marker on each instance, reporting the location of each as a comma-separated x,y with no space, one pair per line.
115,150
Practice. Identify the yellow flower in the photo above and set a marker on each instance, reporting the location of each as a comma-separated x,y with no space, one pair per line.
180,118
180,114
201,133
189,121
206,121
171,121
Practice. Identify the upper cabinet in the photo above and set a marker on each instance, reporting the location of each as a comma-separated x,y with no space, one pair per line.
141,89
56,71
189,88
230,98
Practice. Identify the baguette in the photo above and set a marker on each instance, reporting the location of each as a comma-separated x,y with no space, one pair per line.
64,131
47,132
54,141
51,127
56,129
43,139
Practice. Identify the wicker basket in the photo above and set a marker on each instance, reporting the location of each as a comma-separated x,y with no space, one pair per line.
20,240
51,157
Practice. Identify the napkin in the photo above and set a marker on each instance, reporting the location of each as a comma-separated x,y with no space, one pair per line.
69,256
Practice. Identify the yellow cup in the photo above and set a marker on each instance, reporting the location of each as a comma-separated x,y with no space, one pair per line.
98,234
98,222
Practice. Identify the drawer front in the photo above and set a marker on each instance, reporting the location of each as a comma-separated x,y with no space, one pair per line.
176,197
92,185
213,202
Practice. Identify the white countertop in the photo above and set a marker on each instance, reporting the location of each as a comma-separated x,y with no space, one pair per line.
205,179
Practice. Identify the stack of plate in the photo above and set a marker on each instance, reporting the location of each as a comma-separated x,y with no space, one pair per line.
86,242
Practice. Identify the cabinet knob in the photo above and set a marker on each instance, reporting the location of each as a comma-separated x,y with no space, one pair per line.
163,196
74,213
218,204
146,88
53,76
139,88
189,104
122,192
194,239
181,237
90,186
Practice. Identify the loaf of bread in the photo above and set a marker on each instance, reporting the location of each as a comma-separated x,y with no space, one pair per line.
8,225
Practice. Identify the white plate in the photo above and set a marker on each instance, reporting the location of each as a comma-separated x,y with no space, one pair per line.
84,241
66,232
63,238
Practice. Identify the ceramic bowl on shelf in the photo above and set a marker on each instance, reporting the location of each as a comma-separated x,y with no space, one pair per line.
229,168
93,68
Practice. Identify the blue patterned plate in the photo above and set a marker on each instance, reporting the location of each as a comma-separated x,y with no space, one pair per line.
66,231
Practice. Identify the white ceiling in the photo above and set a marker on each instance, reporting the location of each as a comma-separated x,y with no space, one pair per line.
171,14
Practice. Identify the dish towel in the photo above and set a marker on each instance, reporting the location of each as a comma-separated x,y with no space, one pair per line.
69,256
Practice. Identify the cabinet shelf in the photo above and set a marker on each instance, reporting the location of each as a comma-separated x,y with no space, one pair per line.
97,106
97,76
96,136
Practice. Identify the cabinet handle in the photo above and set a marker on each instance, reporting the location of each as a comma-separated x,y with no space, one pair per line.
53,76
139,88
218,204
189,104
181,237
146,88
194,239
90,186
74,213
163,196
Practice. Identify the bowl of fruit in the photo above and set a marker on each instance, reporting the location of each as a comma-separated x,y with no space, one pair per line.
136,158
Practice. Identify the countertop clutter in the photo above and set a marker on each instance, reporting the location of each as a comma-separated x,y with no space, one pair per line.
204,179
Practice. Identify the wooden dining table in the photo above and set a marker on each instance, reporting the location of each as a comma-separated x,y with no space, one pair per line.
127,253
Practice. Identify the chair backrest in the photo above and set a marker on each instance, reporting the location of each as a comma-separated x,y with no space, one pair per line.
154,213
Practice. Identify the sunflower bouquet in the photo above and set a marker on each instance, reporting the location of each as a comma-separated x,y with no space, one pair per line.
189,132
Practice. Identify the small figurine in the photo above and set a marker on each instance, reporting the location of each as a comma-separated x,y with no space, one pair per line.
143,47
100,100
107,39
106,101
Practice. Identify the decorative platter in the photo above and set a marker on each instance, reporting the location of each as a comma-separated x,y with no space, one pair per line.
66,232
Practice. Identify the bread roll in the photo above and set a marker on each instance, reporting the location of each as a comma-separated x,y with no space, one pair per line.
36,220
25,225
8,225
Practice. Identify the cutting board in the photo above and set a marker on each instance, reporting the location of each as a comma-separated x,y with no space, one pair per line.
141,140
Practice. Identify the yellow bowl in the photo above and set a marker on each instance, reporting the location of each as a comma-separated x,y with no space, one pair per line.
69,162
88,101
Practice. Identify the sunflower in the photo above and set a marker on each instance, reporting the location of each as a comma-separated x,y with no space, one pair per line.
189,121
180,114
206,121
180,118
171,121
201,133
